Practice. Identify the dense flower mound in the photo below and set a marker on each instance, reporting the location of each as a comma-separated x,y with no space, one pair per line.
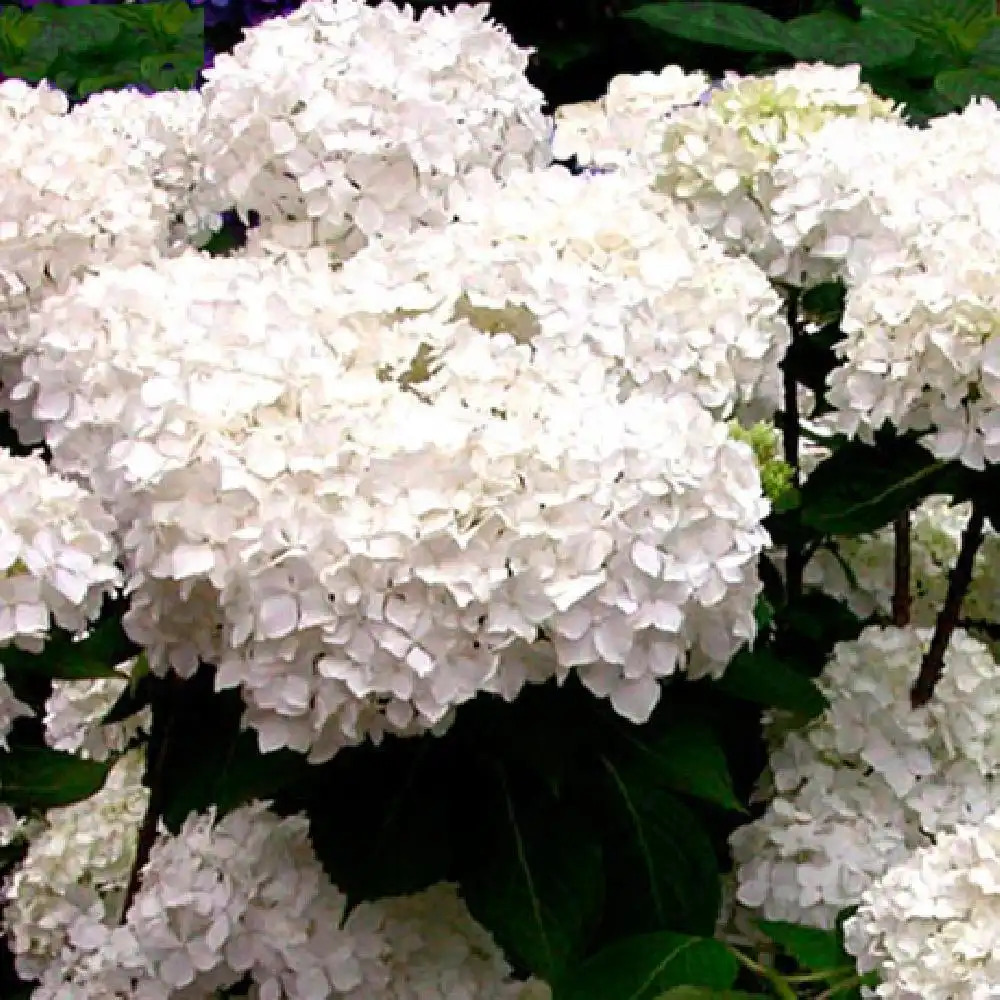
75,710
57,553
717,157
929,924
165,126
344,121
73,195
354,514
870,779
433,949
76,866
244,896
597,260
912,215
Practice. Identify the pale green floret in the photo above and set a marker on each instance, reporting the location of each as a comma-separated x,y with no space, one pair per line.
775,473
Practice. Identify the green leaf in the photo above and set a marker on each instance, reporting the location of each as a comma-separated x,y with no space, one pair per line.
661,869
814,949
74,30
175,17
952,26
862,487
537,884
641,968
687,757
987,52
396,839
761,677
40,778
730,25
707,993
208,760
961,85
64,658
835,39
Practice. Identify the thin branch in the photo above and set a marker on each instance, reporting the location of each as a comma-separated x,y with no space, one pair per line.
156,761
961,576
901,598
795,562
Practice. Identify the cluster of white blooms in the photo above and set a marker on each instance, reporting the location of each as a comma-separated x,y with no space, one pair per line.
57,553
73,195
929,924
353,512
433,949
245,897
718,157
598,260
628,123
871,778
165,126
910,219
76,866
936,527
343,121
74,713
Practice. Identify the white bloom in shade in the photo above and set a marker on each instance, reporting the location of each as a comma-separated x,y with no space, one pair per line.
717,157
352,498
929,925
74,710
11,709
368,128
78,864
241,895
57,556
245,897
828,833
435,950
871,778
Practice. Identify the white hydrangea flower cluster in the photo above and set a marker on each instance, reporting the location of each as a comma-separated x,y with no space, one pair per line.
57,553
166,127
354,513
433,948
598,259
929,924
21,102
78,864
936,527
850,194
74,710
343,121
73,195
911,215
245,897
871,779
717,158
628,123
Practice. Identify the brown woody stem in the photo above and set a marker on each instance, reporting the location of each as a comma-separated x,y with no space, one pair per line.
901,598
958,585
